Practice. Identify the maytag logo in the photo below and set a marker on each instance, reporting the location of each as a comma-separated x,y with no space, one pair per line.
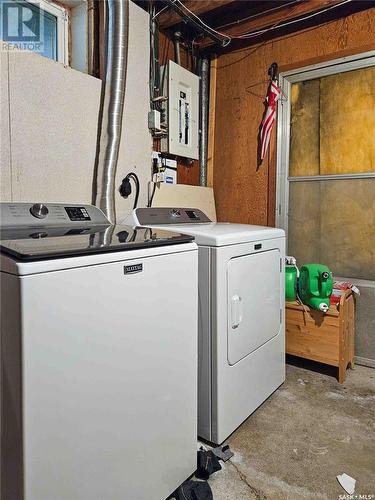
133,268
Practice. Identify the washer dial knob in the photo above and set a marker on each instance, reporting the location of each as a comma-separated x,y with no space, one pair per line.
175,213
39,211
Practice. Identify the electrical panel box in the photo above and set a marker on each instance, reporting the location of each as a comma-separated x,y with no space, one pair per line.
182,113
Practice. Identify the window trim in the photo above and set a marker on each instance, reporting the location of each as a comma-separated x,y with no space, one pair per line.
61,14
286,79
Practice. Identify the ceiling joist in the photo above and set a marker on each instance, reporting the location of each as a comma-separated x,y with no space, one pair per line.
170,18
284,14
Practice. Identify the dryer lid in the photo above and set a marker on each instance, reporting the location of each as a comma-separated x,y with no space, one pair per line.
224,233
197,224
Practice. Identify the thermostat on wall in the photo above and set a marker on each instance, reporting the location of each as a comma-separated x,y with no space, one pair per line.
182,113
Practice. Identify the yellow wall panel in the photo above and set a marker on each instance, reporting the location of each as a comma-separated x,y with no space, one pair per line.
304,221
347,122
304,129
333,222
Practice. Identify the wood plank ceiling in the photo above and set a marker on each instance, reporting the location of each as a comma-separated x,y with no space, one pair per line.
236,17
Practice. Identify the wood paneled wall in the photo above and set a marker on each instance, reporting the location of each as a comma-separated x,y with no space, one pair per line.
244,191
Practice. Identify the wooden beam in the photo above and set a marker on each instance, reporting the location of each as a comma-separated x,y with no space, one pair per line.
286,13
169,18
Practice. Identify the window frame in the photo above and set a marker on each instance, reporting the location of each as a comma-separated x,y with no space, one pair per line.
286,79
61,15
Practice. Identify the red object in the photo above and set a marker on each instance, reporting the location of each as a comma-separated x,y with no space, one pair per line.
339,288
273,95
335,297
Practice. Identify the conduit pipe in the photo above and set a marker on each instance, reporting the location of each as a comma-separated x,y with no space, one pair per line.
204,99
91,37
177,52
112,106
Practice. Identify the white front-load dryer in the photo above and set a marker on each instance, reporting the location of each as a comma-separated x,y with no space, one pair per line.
241,314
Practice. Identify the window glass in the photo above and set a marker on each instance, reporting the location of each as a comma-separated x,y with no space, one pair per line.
50,36
333,222
23,27
333,124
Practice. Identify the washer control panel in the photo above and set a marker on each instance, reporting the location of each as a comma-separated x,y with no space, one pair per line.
39,210
49,214
77,213
170,215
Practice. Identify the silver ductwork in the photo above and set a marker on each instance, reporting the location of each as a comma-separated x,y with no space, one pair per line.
112,105
204,102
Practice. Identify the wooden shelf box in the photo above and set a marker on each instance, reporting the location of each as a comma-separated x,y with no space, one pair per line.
327,338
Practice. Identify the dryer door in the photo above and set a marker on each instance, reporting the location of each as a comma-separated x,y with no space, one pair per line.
254,302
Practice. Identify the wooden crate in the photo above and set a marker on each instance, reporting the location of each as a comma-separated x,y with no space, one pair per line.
327,338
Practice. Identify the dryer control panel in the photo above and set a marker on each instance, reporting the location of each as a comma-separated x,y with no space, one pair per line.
170,215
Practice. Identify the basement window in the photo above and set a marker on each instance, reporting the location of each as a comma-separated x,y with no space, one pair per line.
326,165
36,26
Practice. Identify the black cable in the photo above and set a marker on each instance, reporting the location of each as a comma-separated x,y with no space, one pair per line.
136,181
152,195
126,189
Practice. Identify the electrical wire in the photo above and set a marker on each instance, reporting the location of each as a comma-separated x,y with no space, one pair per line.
293,21
241,36
156,78
228,38
160,11
274,26
249,53
152,55
279,24
126,184
165,62
137,186
259,14
149,204
212,30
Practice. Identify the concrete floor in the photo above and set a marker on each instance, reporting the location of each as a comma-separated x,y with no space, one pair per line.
309,431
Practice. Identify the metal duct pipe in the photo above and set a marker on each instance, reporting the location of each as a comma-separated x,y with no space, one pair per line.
177,52
204,98
112,105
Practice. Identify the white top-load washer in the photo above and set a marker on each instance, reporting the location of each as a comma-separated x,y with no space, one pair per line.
98,356
241,314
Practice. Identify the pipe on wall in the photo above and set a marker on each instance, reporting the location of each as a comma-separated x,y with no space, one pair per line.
91,37
204,102
177,53
112,106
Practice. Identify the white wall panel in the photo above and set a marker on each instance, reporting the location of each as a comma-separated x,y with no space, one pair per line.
53,113
136,143
49,153
5,166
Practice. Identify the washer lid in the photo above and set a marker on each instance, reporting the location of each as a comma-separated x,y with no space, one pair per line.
52,242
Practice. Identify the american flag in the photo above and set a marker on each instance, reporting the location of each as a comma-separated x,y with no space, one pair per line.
273,95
